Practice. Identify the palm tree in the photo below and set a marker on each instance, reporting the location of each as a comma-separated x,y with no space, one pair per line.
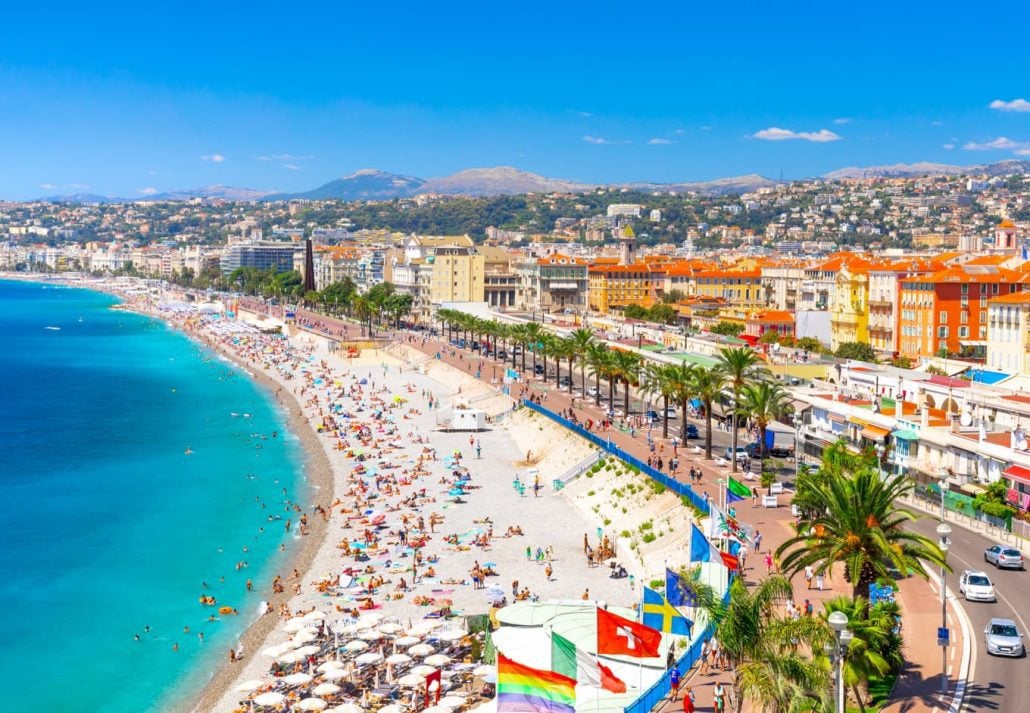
681,386
534,333
762,648
856,522
597,358
764,402
875,648
655,381
739,364
627,369
582,338
707,385
364,310
569,351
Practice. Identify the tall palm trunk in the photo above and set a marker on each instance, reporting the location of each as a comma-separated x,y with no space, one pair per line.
571,359
733,425
665,416
626,400
708,430
597,388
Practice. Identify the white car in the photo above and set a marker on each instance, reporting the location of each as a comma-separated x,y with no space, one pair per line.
976,586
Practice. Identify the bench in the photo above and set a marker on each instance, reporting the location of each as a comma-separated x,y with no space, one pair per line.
776,489
770,501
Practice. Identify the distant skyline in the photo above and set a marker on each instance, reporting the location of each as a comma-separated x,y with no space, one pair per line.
135,100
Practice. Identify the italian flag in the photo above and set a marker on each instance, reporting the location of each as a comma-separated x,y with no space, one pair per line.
585,669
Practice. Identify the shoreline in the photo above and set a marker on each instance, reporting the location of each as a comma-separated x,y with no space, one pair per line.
316,475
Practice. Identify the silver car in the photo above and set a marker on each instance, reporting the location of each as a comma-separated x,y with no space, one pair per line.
1002,638
1004,557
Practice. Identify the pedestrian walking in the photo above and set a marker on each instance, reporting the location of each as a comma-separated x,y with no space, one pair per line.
674,683
719,695
768,563
688,700
703,670
819,581
809,574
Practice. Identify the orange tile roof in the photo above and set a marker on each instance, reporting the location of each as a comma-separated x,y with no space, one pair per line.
732,274
958,274
988,260
559,259
772,315
1015,298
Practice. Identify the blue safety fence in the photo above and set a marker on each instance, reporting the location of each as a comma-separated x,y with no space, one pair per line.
605,443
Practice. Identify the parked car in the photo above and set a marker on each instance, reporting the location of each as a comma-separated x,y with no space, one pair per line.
1004,557
475,346
592,391
976,586
741,453
538,369
653,417
1002,638
753,451
502,354
692,431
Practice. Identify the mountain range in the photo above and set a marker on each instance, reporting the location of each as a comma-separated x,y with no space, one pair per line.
372,184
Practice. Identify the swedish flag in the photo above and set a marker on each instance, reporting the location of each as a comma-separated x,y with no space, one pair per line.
660,615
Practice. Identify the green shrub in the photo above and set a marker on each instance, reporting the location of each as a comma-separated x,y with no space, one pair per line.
649,537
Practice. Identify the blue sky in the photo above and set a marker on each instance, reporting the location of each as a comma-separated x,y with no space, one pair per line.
126,99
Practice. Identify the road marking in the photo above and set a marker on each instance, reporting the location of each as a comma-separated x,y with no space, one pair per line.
1000,596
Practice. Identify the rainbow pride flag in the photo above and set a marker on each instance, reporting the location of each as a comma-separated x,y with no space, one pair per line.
521,688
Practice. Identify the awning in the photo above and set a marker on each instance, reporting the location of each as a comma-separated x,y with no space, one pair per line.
837,418
875,433
973,342
1018,472
905,434
857,421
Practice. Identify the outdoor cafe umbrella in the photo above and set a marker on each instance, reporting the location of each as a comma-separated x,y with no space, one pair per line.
330,665
438,660
356,645
272,698
297,679
450,634
334,674
305,635
307,650
403,641
310,704
325,689
398,658
391,628
291,657
411,680
423,670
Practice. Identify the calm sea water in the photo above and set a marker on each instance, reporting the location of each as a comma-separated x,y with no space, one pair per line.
109,527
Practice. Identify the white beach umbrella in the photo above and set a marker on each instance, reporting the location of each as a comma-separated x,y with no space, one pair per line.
369,620
330,665
314,615
411,680
356,645
420,650
369,635
334,674
313,704
450,634
368,658
391,627
349,708
398,658
392,708
276,651
297,679
423,670
307,650
248,686
484,669
452,701
404,641
438,660
272,698
291,657
295,624
325,689
438,709
304,636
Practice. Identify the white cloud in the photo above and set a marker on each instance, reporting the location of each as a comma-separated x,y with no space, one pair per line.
601,141
1002,143
284,157
148,191
291,166
585,114
678,131
1014,105
948,147
774,133
937,122
213,158
1023,152
47,186
843,120
659,142
79,186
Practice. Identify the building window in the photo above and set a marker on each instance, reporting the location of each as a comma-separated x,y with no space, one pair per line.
942,332
944,317
963,332
965,288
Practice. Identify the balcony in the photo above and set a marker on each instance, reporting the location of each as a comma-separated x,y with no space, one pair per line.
563,286
881,304
877,329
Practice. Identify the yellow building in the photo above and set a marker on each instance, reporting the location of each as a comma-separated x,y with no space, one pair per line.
849,305
458,275
739,288
618,286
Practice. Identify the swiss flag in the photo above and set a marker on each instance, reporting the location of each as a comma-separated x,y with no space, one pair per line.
616,635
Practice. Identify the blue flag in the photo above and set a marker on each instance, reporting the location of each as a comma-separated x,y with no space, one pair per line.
660,615
732,497
678,591
700,550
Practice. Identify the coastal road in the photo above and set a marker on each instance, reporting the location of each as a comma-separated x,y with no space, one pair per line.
998,683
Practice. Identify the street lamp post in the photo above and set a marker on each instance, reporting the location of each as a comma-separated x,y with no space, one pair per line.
842,637
943,485
798,422
880,450
943,530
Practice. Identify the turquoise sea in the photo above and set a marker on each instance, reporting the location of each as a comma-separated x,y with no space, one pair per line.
109,526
